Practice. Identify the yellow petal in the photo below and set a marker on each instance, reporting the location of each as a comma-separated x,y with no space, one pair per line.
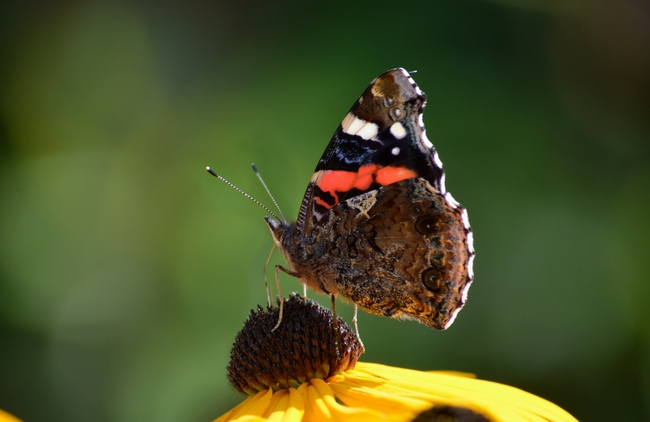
296,407
484,396
277,406
6,417
346,412
318,408
252,407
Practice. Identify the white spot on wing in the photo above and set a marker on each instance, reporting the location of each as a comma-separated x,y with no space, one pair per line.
453,315
427,142
436,160
443,189
395,151
398,131
470,276
352,125
451,200
470,266
368,131
463,215
470,242
420,121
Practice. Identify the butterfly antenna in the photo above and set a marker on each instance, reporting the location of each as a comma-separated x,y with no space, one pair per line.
242,192
259,176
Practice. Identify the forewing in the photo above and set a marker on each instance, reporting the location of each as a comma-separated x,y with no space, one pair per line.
381,141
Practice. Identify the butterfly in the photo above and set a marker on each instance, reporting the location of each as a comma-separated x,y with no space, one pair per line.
376,225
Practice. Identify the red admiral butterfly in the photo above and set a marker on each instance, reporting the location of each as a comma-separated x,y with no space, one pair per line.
377,225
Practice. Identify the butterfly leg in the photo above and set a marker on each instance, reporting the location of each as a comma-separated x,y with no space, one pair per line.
266,282
277,284
356,328
337,333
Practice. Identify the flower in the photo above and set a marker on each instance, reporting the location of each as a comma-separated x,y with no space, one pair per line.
351,390
6,417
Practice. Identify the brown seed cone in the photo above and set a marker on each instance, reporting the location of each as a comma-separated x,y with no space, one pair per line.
303,347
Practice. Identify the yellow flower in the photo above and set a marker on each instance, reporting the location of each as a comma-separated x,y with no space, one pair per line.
372,392
365,392
6,417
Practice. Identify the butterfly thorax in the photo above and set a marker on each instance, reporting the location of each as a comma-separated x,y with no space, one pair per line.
304,252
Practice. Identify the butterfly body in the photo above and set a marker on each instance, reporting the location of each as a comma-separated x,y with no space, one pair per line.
376,225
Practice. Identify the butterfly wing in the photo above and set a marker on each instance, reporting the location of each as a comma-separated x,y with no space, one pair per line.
402,250
376,224
382,140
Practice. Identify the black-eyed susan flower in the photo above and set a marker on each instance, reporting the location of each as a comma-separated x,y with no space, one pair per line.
307,371
6,417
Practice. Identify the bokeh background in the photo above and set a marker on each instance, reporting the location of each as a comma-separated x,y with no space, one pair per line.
126,270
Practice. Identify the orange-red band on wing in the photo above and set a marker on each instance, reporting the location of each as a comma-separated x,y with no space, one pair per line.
364,176
336,181
392,174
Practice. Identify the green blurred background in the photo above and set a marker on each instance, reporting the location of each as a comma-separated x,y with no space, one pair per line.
126,270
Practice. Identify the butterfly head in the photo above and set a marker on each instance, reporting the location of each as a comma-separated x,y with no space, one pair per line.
278,228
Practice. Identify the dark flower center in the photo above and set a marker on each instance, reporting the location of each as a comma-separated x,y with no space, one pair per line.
306,345
444,413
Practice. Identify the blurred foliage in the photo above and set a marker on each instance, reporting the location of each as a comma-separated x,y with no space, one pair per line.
126,270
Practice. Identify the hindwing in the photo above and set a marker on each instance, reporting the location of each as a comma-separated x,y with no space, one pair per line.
401,251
